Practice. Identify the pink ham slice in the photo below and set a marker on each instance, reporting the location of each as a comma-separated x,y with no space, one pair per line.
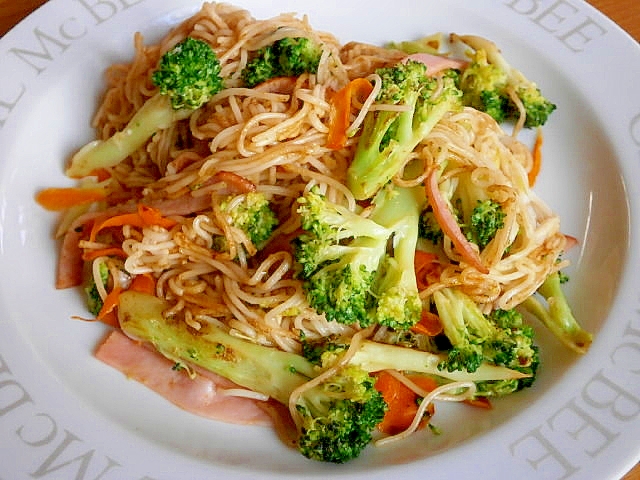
200,395
436,63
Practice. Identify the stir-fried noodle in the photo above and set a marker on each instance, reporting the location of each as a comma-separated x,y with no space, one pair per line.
272,139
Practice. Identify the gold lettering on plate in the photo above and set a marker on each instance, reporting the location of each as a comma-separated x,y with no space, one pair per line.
53,452
588,424
46,45
561,18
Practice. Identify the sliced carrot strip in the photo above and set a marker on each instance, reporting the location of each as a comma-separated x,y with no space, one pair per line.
537,159
143,283
341,110
146,216
401,400
63,198
429,324
480,402
425,264
110,302
89,255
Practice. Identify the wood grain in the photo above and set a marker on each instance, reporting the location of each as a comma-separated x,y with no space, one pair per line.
625,13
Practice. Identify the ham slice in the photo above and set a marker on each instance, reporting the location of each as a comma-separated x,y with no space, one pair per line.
436,63
200,395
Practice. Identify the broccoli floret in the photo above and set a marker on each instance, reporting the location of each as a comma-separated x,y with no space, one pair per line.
398,301
488,80
483,85
94,300
252,213
389,137
287,57
551,307
466,328
429,228
512,347
500,338
348,274
335,418
314,351
339,254
187,77
486,219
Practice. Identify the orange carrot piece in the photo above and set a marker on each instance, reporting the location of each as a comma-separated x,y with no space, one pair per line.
480,402
143,283
429,324
401,400
103,252
341,110
537,159
62,198
111,319
425,264
235,182
110,303
151,216
145,217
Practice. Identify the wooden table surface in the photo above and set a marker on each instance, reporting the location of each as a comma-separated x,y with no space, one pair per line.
625,13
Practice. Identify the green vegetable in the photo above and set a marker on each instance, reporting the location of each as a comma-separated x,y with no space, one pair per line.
187,77
429,229
489,79
336,417
500,338
287,57
486,219
551,307
348,273
94,300
389,137
251,213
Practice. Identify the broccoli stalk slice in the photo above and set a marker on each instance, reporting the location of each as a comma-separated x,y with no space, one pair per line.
154,115
557,315
399,303
388,137
374,357
266,370
187,77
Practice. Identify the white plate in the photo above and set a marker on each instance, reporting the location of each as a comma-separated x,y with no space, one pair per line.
64,415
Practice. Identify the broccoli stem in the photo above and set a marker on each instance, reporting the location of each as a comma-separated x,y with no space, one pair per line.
374,356
262,369
155,114
557,315
398,209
